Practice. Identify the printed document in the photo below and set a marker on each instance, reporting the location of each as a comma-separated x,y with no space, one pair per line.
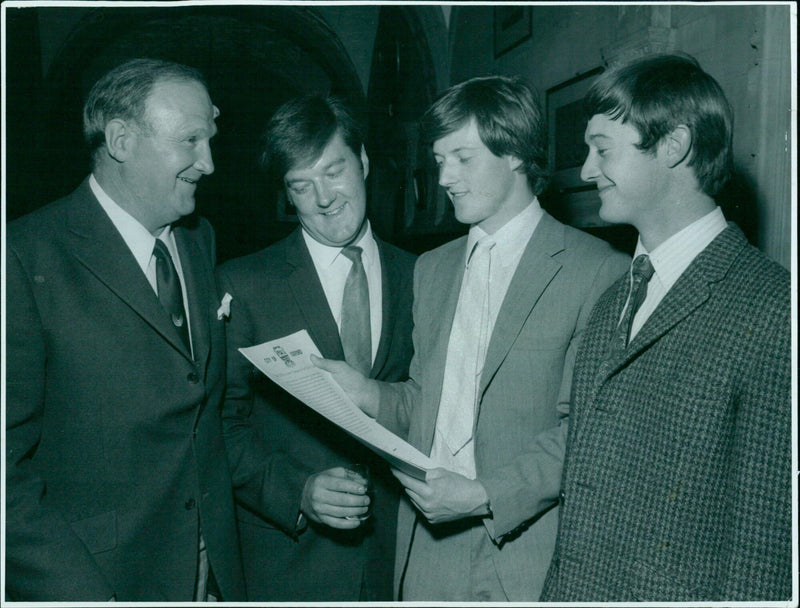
286,361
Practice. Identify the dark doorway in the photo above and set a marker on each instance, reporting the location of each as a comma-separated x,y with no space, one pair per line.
254,57
403,182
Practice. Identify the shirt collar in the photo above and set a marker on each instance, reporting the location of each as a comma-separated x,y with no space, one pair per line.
672,257
136,236
325,255
511,238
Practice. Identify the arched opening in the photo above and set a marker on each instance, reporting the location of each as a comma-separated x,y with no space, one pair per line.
254,58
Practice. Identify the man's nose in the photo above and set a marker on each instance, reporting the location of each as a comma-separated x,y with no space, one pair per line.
204,162
325,194
589,170
447,175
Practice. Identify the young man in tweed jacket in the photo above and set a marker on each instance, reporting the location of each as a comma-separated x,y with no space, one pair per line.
677,481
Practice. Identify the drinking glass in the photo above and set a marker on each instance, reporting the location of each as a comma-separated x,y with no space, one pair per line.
360,472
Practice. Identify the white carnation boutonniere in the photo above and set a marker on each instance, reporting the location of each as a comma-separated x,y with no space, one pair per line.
224,310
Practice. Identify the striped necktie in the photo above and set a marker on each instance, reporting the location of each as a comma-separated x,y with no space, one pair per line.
641,273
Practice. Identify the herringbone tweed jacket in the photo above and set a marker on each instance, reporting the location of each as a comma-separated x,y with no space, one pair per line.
677,479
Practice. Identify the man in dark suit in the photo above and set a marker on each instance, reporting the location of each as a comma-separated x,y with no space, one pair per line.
678,475
117,480
488,394
298,512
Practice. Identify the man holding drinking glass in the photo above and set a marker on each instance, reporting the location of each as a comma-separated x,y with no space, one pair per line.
304,532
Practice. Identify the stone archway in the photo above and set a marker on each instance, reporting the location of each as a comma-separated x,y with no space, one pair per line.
254,57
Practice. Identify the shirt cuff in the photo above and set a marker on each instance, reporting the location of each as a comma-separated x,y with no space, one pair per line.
301,524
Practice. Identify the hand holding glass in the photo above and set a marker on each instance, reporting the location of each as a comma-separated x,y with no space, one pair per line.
360,473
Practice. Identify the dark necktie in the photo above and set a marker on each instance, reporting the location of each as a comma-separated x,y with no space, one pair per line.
356,333
169,290
641,273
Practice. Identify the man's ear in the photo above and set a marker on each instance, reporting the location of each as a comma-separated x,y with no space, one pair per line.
514,162
120,139
677,145
364,161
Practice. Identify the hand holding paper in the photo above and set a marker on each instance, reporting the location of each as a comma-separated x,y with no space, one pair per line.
286,361
361,391
445,496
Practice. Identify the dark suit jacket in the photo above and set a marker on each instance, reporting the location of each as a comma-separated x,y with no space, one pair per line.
677,482
520,426
276,442
114,440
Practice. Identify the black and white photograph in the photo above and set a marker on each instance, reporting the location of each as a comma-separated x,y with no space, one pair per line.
399,303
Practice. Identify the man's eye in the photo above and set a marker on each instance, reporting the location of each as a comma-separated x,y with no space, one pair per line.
464,159
335,174
299,189
602,151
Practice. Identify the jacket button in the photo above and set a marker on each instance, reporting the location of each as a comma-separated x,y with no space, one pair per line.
189,504
193,377
561,496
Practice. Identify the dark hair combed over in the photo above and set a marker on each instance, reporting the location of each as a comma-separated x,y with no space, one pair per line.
123,92
509,117
299,130
656,94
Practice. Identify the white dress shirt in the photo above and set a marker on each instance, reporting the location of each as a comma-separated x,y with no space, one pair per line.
672,257
332,269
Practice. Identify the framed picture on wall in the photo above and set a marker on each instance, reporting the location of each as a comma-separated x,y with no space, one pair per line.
512,25
575,201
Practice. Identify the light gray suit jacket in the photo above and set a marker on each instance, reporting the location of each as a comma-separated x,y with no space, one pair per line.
520,424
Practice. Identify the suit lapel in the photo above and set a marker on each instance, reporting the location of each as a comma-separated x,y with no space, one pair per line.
690,292
595,343
439,313
199,284
96,243
534,272
388,305
309,296
685,297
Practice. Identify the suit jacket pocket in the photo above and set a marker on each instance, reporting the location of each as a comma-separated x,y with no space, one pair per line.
99,532
244,515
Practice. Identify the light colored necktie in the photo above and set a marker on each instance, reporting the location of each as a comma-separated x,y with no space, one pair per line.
466,351
356,333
